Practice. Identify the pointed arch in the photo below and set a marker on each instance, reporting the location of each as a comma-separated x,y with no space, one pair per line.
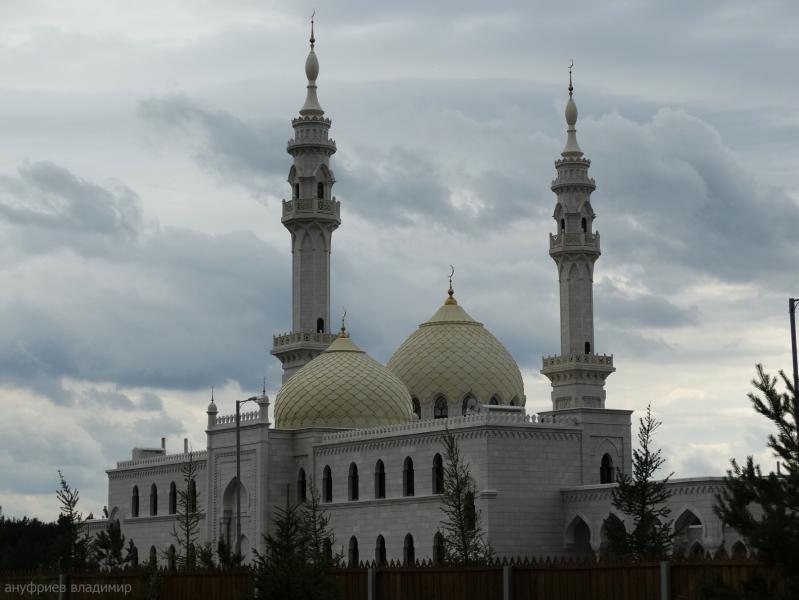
438,474
417,407
380,551
171,556
738,551
380,479
229,496
438,548
173,498
469,404
153,556
352,482
606,469
302,486
153,500
612,526
134,501
696,552
495,400
352,554
408,551
578,537
407,477
688,531
327,484
440,408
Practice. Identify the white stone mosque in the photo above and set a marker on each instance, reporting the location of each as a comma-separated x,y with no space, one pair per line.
369,435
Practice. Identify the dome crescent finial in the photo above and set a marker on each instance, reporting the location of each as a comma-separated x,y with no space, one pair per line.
313,39
343,332
450,291
571,87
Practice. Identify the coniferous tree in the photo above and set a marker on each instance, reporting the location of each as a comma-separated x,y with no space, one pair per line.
74,542
765,509
131,558
319,543
642,498
186,528
464,541
205,556
281,570
108,546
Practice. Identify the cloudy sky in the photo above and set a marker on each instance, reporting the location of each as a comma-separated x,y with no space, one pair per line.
142,165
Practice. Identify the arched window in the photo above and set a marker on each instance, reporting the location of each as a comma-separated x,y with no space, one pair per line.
408,552
352,482
380,551
738,551
153,500
469,405
606,470
440,409
407,477
320,190
302,490
562,223
327,485
296,190
192,496
470,511
134,557
514,401
588,347
585,226
438,474
153,555
417,408
320,325
612,528
171,558
327,548
578,538
380,480
697,552
134,502
494,401
438,548
353,552
688,531
173,498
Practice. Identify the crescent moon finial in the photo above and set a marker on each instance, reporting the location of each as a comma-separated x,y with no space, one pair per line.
571,87
313,39
450,291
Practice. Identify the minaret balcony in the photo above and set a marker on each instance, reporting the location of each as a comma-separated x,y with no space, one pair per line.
302,338
311,208
581,242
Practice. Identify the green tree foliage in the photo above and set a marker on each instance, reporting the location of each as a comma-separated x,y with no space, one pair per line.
464,541
642,498
73,543
205,556
765,509
297,562
28,544
186,528
109,545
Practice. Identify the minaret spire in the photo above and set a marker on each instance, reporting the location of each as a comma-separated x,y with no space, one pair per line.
311,216
578,374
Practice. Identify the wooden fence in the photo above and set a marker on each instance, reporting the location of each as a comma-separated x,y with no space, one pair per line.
502,581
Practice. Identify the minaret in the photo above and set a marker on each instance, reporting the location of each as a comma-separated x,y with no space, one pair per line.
311,216
578,374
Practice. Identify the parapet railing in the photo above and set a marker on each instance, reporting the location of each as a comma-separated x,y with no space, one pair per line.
453,422
572,359
558,240
198,455
295,337
246,417
321,205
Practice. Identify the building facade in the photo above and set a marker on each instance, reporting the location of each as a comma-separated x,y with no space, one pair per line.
369,436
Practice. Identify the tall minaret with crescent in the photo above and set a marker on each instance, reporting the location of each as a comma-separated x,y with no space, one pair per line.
311,216
578,374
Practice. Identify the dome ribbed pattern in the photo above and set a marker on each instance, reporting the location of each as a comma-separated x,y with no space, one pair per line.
342,387
452,355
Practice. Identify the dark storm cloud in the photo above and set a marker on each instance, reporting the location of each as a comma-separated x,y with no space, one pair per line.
640,310
170,308
223,143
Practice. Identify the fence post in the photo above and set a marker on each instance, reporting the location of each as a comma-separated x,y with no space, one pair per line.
371,584
506,583
665,580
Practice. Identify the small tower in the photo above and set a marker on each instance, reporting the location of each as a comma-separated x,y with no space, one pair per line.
311,216
578,374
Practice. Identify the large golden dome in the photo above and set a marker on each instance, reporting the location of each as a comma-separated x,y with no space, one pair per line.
342,387
454,357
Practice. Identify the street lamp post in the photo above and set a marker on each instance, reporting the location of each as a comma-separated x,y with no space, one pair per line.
792,304
238,471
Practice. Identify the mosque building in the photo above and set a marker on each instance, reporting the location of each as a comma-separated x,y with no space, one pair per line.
370,435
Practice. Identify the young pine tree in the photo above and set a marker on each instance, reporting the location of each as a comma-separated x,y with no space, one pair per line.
186,527
641,497
319,540
108,546
464,541
281,572
74,542
765,509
